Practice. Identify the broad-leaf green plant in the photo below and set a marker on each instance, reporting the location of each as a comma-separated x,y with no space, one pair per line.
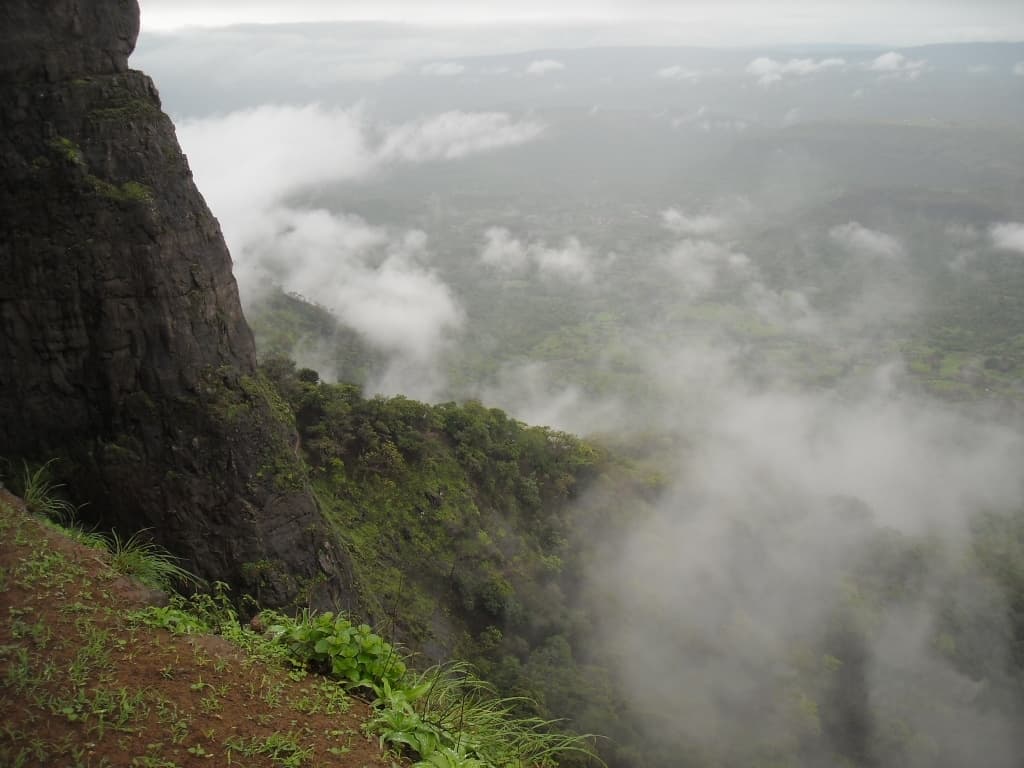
336,647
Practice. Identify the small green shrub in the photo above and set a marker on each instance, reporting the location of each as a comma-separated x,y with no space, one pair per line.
203,613
173,618
339,649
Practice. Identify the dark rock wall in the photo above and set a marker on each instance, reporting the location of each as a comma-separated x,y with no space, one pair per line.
123,348
60,39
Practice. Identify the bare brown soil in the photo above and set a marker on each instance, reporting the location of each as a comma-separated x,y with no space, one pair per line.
82,684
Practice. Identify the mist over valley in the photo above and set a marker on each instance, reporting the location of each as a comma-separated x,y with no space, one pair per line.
778,292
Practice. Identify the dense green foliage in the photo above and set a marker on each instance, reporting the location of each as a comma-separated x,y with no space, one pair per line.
339,649
461,499
471,532
288,325
462,525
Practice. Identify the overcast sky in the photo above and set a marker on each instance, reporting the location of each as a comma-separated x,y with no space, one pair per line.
726,22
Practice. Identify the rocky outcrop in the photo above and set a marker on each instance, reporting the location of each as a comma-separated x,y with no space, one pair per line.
57,40
123,348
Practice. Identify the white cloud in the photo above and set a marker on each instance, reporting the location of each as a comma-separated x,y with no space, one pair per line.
677,72
543,66
631,22
704,261
888,62
456,134
247,161
699,265
785,308
962,233
1008,236
793,116
699,224
399,308
442,69
377,281
893,65
860,240
503,251
965,239
768,71
537,393
776,493
572,261
1018,69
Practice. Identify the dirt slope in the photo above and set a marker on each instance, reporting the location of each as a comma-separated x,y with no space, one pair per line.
82,683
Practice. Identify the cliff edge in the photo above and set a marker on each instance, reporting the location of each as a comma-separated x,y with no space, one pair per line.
123,348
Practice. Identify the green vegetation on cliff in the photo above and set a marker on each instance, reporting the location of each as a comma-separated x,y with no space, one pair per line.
474,536
175,684
462,526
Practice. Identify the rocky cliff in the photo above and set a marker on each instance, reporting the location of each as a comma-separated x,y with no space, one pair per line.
123,348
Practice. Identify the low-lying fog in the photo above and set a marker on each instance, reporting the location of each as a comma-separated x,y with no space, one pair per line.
805,265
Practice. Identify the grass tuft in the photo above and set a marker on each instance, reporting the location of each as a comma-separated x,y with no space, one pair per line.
451,718
41,497
148,562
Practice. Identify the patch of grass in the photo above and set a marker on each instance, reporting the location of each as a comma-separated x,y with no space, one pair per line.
136,191
450,717
87,538
102,709
285,749
92,658
170,617
40,494
134,109
326,696
37,631
68,150
45,568
128,192
148,562
951,364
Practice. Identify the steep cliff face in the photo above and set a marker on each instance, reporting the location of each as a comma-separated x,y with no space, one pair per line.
123,348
